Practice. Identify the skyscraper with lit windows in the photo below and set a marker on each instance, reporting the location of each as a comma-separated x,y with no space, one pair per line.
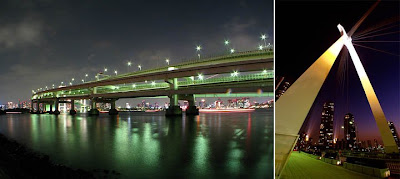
350,131
326,127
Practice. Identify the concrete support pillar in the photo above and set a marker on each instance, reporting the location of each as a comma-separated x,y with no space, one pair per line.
51,109
113,111
93,110
173,109
37,107
191,109
32,109
56,105
72,111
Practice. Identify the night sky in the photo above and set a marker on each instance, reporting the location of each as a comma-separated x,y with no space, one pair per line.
45,42
304,30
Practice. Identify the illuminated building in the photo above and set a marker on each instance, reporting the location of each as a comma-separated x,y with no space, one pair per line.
350,131
326,127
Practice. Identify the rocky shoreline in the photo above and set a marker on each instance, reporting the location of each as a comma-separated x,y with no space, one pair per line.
18,161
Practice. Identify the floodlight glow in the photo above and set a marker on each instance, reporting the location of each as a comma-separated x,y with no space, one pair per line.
140,67
105,69
86,75
134,86
167,60
264,71
192,77
226,42
198,48
116,72
263,36
232,50
235,73
153,83
129,63
260,47
200,76
73,79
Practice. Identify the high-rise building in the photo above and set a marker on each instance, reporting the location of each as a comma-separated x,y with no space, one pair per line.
326,127
394,133
350,131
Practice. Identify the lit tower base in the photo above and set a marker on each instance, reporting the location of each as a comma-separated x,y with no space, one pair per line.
293,107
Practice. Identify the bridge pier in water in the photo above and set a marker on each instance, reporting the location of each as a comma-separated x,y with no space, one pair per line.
72,111
113,111
56,104
191,109
173,109
93,107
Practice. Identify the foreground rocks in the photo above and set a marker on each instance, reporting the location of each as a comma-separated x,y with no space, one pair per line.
17,161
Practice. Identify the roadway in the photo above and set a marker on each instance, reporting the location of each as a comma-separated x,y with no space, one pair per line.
302,166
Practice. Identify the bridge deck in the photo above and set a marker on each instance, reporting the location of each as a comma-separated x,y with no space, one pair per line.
302,166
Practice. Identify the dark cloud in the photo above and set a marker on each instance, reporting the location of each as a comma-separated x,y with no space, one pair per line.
46,42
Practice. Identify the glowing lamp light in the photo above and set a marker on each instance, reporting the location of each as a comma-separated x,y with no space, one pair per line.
234,74
263,37
200,76
260,47
232,50
167,61
153,83
140,67
264,72
226,42
116,72
134,86
192,77
198,48
86,75
129,63
338,162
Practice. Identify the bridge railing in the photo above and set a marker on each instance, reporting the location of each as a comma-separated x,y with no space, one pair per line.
189,62
190,81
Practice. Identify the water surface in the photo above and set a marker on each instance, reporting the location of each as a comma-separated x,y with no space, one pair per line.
151,145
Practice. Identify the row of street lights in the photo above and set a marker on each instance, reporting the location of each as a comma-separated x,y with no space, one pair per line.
198,48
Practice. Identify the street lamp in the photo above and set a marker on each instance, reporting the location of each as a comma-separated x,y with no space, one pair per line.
116,72
235,73
167,61
105,70
129,64
200,76
264,37
83,81
232,50
198,50
140,67
260,47
226,42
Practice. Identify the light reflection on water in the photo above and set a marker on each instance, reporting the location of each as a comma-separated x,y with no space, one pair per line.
207,145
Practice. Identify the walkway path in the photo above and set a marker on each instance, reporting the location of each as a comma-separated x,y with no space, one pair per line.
302,166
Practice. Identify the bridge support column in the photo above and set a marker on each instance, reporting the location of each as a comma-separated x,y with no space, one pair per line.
173,109
51,109
32,109
37,107
191,109
72,111
113,111
56,105
93,109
